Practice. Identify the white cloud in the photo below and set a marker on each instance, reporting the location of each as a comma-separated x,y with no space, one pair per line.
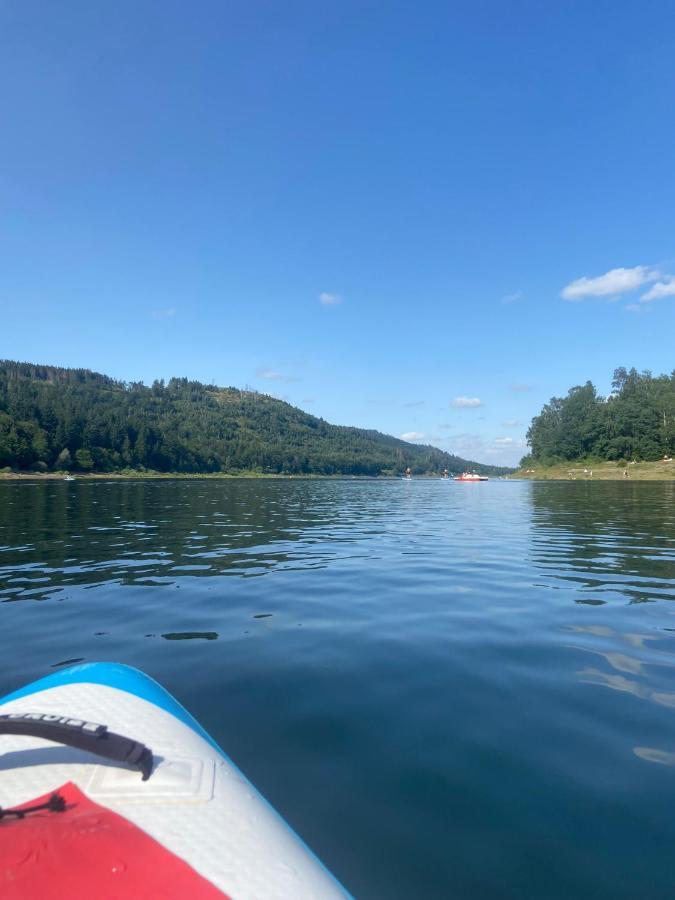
511,298
521,388
659,290
329,299
466,402
414,403
472,445
412,436
163,313
272,375
616,281
637,308
511,423
504,441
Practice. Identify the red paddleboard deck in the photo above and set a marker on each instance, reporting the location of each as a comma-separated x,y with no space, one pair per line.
87,851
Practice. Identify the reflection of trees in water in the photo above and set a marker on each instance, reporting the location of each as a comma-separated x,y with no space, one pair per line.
607,538
614,542
150,532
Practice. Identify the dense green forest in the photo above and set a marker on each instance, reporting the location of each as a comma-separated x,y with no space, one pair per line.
61,419
636,421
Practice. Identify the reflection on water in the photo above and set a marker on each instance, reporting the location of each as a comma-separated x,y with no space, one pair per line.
150,532
451,690
68,662
613,540
190,636
650,754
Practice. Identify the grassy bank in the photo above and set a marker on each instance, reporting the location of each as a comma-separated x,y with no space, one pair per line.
604,471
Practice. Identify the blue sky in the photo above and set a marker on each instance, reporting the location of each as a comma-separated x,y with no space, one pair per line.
381,212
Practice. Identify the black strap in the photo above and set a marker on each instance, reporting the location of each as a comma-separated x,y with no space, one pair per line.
80,734
56,803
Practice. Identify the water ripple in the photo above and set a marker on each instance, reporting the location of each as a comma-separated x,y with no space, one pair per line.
491,664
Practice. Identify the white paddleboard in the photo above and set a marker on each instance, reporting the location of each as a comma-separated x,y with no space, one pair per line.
186,821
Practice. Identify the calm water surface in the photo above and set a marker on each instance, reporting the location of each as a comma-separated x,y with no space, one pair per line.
450,690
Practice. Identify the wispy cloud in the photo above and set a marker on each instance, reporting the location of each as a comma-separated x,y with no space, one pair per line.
412,436
511,423
513,298
163,313
464,436
328,299
616,281
272,375
637,308
661,289
466,402
471,445
521,388
414,403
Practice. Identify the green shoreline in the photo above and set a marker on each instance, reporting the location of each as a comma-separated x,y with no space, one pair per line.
578,471
598,471
134,476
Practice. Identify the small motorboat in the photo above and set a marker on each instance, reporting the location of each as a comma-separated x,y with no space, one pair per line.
470,476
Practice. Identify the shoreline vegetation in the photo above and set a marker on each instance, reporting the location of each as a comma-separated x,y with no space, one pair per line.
131,475
590,470
633,425
627,436
54,420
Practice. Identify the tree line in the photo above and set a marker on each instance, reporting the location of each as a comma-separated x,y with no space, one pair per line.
635,421
60,419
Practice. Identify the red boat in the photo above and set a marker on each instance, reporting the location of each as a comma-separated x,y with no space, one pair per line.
470,476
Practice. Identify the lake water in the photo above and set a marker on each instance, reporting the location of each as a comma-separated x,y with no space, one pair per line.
450,690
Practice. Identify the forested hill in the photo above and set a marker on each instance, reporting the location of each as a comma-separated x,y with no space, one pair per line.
636,421
57,419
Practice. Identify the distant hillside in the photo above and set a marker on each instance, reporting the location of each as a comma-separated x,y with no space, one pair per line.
54,418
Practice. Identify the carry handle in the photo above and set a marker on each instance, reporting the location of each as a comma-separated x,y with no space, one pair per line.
81,734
